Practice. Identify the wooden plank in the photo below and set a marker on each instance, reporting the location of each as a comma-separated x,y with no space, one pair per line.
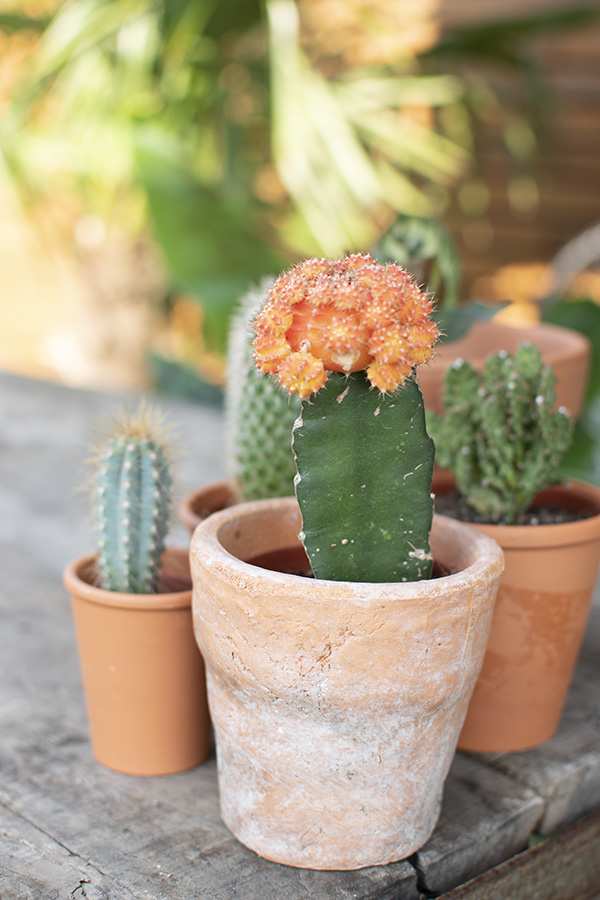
485,820
566,867
33,866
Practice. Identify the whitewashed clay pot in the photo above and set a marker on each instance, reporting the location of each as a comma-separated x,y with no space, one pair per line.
337,706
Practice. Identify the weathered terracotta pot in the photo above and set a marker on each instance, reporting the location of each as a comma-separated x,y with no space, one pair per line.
199,504
566,350
143,675
336,705
539,621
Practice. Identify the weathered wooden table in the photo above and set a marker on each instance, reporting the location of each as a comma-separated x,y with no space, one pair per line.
70,828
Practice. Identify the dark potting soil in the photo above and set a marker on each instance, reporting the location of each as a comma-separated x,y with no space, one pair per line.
455,506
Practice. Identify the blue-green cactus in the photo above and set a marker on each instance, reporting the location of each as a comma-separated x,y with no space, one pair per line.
132,496
500,434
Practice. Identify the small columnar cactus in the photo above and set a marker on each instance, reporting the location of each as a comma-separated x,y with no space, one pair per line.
346,335
259,415
131,502
500,434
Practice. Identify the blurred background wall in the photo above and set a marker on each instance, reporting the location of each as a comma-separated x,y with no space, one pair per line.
158,157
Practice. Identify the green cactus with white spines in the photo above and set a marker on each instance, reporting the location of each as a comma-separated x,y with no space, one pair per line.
258,415
500,435
131,503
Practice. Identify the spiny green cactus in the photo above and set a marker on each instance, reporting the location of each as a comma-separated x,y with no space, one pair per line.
500,435
259,416
131,501
346,336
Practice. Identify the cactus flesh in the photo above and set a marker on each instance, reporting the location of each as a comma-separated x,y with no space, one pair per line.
346,335
367,456
131,504
500,435
259,415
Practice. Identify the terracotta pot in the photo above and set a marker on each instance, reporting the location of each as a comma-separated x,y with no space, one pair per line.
336,705
538,625
567,351
142,672
206,500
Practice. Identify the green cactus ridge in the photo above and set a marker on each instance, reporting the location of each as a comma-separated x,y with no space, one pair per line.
365,464
259,415
500,435
132,501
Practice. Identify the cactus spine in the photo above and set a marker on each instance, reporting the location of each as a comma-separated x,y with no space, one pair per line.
500,435
259,416
132,495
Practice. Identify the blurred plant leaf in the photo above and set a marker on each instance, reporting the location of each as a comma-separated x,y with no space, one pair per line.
210,237
581,315
336,140
424,247
582,461
172,377
455,323
482,39
13,22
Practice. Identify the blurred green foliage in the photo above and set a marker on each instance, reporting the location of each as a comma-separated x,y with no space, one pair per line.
211,123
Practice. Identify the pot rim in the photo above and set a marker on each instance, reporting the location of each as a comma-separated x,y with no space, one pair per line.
487,556
555,534
569,344
211,493
76,584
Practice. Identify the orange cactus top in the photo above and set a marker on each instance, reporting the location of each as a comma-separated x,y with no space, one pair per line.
344,316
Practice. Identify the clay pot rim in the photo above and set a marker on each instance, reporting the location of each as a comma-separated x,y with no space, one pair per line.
485,551
76,584
556,534
189,517
572,343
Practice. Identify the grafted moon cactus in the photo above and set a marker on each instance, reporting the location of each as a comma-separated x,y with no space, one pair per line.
500,435
132,496
259,414
346,336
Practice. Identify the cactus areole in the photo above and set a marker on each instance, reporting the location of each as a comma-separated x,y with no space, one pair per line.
346,336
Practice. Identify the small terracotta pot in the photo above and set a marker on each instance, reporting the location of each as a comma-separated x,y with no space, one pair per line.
206,500
336,705
567,351
142,672
538,625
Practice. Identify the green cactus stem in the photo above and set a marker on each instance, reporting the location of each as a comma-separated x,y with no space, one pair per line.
347,437
500,434
259,415
132,495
